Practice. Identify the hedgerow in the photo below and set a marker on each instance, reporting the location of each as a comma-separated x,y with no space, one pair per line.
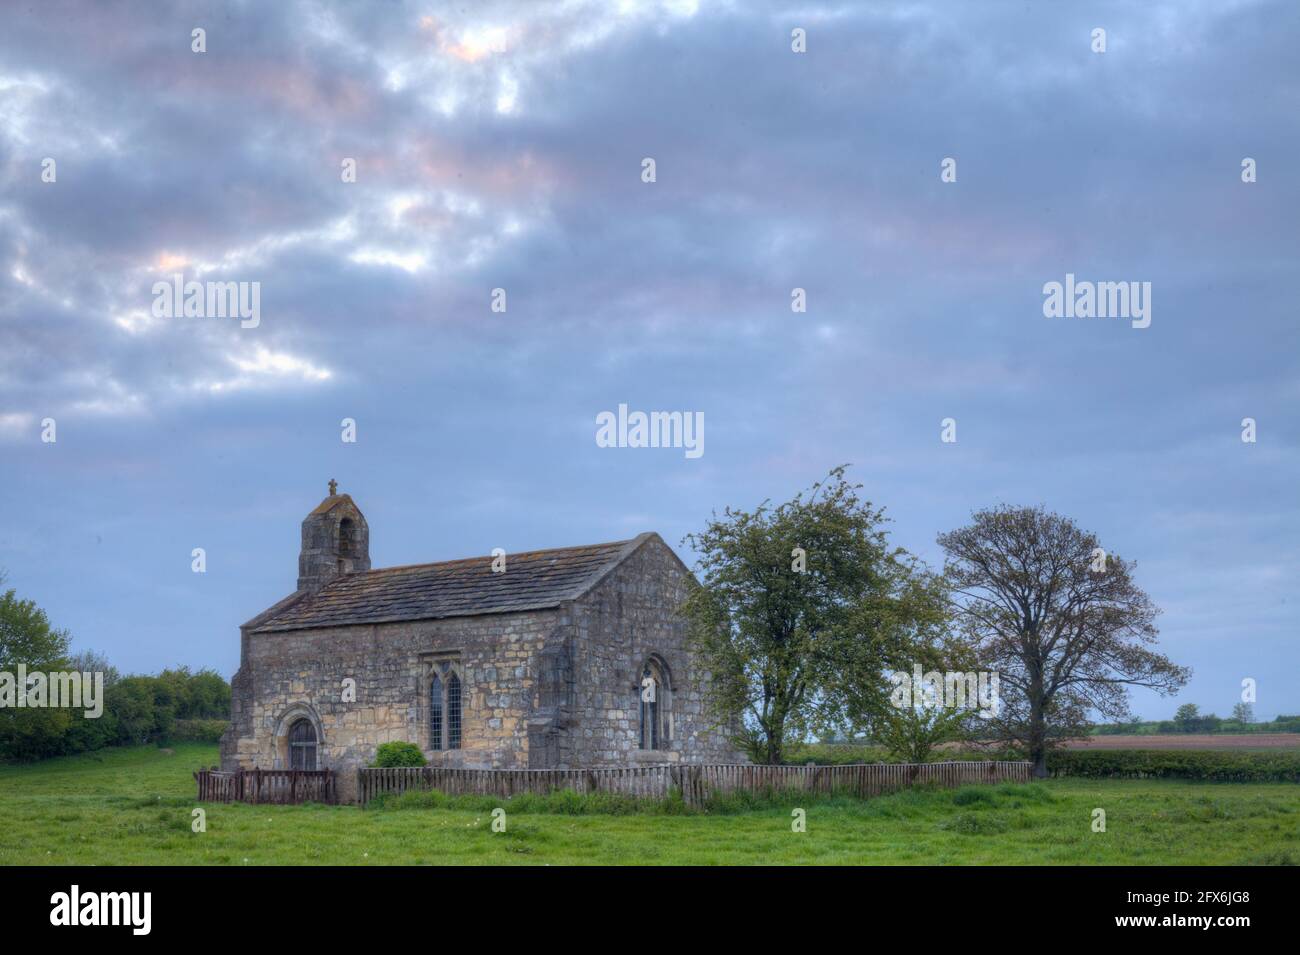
1205,765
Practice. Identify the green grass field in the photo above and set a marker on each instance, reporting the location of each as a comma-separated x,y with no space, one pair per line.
133,806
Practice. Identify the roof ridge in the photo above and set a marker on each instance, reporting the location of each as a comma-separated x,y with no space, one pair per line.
463,560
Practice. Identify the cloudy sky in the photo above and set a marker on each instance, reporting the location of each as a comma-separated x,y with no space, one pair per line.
500,146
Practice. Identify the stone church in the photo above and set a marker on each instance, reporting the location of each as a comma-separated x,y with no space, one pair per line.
551,659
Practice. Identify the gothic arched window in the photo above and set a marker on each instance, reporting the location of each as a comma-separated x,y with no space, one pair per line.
444,707
302,745
655,705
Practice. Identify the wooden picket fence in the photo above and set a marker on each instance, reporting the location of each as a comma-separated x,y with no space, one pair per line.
697,783
267,785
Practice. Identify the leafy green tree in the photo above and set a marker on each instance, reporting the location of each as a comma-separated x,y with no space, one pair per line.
27,638
134,704
1187,718
146,708
85,734
1243,713
913,732
801,608
208,697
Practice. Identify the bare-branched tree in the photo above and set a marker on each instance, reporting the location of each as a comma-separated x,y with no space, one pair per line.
1063,623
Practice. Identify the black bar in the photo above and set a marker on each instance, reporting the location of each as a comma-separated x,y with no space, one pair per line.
987,904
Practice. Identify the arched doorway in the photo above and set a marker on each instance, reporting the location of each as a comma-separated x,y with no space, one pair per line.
302,744
299,739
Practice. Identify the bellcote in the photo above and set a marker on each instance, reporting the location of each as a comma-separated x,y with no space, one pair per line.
335,540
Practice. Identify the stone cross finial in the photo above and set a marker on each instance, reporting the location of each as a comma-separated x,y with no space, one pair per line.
334,486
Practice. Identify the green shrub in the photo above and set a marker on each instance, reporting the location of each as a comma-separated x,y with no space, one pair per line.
398,754
1204,765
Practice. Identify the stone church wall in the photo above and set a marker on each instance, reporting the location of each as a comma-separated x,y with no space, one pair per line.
294,673
628,617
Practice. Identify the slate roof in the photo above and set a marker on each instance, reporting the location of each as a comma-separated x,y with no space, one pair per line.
534,580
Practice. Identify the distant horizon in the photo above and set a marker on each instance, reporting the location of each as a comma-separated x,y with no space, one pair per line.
1172,703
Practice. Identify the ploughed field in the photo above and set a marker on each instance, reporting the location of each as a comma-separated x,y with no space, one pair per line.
1190,741
135,806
